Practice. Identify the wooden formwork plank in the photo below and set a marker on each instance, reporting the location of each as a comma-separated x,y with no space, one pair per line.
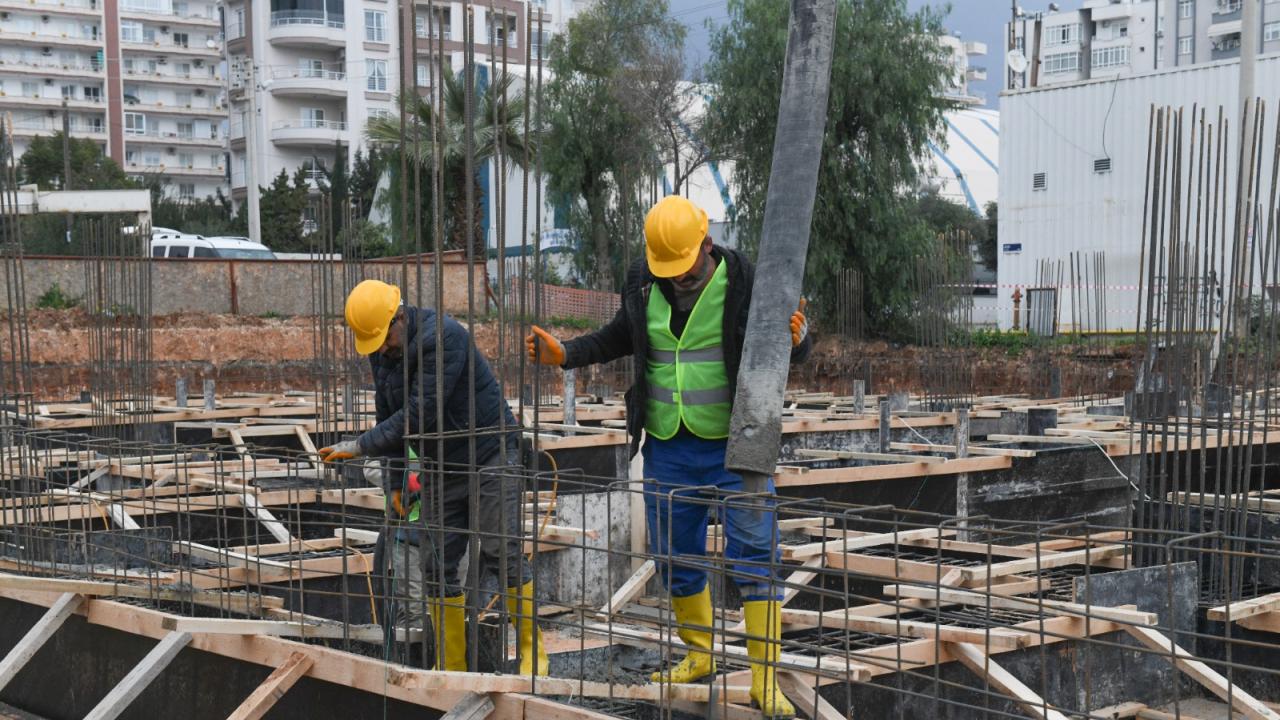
632,587
1044,562
37,636
232,602
273,688
981,664
1211,679
845,544
269,521
475,706
147,669
806,697
1008,602
1242,609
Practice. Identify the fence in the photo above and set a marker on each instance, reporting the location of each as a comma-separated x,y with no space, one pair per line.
560,302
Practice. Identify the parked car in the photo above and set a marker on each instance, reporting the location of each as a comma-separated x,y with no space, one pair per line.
168,243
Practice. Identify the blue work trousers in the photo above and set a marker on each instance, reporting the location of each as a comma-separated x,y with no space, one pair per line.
691,467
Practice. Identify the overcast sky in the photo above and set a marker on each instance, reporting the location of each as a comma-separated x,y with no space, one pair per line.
981,20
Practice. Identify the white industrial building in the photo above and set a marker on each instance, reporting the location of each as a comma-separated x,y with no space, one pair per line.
1073,161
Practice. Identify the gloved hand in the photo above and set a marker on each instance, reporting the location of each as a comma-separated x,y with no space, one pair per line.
345,450
544,348
373,473
799,324
396,504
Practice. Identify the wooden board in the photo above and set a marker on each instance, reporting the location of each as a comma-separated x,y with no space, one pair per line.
273,688
1202,673
37,636
978,662
147,669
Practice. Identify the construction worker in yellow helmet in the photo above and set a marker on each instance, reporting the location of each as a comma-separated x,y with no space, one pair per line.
682,319
401,343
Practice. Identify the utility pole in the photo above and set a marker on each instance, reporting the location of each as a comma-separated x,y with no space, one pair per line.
247,78
66,160
1010,75
1248,101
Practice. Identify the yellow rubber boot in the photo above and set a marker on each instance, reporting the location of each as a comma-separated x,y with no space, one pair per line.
520,608
692,610
449,620
764,629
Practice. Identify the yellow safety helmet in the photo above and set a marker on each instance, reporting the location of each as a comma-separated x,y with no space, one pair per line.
371,306
673,232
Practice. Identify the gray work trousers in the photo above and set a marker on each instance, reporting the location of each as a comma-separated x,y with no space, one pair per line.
438,541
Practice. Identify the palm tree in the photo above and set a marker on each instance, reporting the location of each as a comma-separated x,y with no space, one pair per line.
498,127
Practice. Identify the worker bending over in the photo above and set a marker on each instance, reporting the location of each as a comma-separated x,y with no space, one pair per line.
400,341
683,317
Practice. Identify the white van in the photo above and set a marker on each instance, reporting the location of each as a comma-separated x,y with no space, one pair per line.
166,243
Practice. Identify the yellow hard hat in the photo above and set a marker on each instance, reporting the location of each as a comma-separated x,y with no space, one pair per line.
371,305
673,232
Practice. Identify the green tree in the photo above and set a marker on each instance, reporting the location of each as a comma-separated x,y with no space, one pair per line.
989,248
365,172
498,115
42,164
599,149
211,215
884,109
282,204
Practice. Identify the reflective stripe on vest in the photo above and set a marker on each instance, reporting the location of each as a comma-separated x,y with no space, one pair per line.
686,378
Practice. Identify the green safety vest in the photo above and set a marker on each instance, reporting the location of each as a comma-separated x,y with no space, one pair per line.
686,378
417,504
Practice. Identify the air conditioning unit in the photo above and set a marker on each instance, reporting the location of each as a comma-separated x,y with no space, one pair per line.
198,63
199,92
162,61
48,81
171,151
47,52
164,29
44,18
4,16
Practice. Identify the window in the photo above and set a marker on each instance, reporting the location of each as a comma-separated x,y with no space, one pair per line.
537,41
181,39
148,34
379,113
1062,35
30,89
215,160
158,250
131,157
312,117
151,158
179,251
186,190
440,22
502,30
1061,63
69,92
130,31
310,68
1186,8
186,160
92,94
1184,46
1271,31
96,124
135,124
376,75
375,26
183,99
182,69
424,76
1228,6
1110,57
186,130
204,252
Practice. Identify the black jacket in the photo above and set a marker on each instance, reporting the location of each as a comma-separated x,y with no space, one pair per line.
398,407
627,333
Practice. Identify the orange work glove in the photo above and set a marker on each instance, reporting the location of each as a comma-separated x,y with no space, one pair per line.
799,324
544,348
396,504
345,450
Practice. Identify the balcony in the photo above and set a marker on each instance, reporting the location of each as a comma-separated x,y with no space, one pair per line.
66,39
975,73
175,170
28,101
155,137
159,108
304,82
77,8
50,68
154,48
308,132
307,27
167,18
47,125
195,79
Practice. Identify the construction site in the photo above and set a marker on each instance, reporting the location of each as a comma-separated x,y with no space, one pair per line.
193,524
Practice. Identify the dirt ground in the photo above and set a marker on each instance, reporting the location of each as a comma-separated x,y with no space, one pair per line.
271,354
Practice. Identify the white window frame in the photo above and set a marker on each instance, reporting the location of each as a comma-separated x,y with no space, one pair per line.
376,75
135,123
375,26
1061,63
1059,35
130,31
1271,31
1185,46
1110,57
1186,8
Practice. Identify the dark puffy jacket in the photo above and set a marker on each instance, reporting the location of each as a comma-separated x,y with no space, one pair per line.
627,333
398,407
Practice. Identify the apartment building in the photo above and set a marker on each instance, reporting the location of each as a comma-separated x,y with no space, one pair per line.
1106,38
962,70
305,76
140,77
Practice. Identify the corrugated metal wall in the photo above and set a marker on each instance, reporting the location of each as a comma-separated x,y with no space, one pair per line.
1059,131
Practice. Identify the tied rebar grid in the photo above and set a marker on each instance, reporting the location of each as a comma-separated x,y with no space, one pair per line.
1209,324
1073,362
15,364
212,535
943,312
